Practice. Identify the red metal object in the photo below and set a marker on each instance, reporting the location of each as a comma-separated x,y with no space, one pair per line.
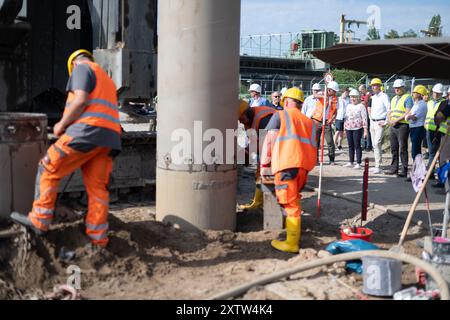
365,200
361,234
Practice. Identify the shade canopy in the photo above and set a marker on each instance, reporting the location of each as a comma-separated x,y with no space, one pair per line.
415,57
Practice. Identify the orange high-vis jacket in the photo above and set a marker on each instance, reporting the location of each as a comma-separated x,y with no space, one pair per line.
102,107
260,114
296,145
318,113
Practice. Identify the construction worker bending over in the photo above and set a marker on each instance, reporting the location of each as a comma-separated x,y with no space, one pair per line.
294,155
89,135
255,118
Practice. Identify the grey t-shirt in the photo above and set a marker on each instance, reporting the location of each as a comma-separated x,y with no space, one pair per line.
83,78
275,122
86,136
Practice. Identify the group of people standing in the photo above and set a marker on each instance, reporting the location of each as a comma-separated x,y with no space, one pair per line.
408,117
363,116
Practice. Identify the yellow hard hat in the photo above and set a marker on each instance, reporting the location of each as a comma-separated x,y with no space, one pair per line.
293,93
420,89
74,55
243,106
376,81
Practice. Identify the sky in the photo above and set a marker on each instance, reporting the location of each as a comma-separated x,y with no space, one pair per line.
283,16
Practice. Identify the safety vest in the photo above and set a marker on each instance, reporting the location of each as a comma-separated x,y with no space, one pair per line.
296,145
260,114
433,106
443,127
398,108
445,124
102,106
318,112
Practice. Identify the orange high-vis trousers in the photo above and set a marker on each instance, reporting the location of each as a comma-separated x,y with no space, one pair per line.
61,161
288,185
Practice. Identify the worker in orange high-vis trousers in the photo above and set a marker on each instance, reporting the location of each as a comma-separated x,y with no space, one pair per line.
89,136
293,156
255,118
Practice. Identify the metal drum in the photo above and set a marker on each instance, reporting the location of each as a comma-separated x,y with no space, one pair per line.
23,142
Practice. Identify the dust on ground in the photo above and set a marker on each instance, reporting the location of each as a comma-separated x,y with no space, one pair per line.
149,260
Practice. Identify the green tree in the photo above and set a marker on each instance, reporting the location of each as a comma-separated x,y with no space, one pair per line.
348,77
373,34
392,35
410,34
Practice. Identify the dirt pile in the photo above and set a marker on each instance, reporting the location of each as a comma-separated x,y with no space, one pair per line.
149,260
36,265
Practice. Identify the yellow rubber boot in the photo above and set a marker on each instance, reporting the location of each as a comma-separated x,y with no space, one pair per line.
293,232
257,201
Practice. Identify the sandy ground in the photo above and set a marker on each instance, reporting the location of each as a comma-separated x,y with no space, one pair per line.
149,260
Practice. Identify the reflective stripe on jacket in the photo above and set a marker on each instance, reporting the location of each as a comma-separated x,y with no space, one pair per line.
296,145
260,114
332,109
443,128
398,107
433,106
102,107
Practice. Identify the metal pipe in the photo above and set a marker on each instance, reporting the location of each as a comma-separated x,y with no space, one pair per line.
198,89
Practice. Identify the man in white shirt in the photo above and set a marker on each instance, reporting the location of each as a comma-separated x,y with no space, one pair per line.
378,112
344,101
256,99
309,106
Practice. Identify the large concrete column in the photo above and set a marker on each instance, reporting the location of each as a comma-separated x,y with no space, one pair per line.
198,80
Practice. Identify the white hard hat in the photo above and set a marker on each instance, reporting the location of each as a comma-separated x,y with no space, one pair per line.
399,83
317,87
333,85
448,90
283,91
255,87
355,93
438,88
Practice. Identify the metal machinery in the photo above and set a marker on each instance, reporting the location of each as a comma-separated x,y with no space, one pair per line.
36,37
